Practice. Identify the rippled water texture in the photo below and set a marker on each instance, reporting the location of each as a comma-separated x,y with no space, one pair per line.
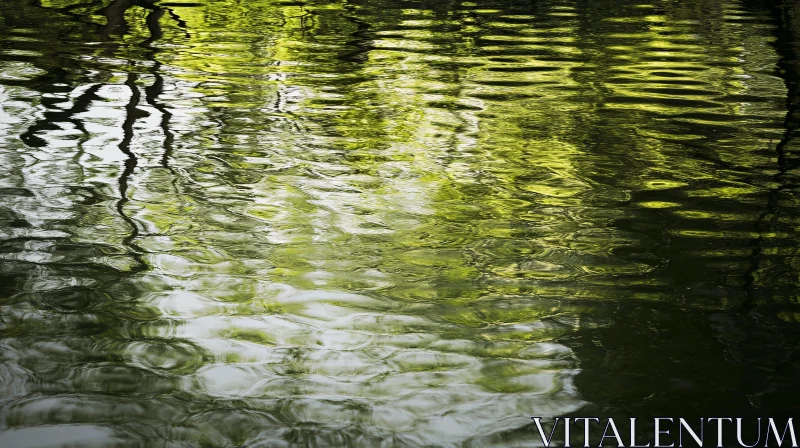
392,223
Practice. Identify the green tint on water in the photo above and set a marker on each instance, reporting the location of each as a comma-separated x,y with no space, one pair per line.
382,223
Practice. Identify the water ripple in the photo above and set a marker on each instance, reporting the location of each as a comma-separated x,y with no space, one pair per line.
380,224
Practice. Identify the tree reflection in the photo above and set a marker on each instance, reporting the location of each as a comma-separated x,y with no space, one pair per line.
352,222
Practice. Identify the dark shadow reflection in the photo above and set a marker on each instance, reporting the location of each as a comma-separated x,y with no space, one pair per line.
657,361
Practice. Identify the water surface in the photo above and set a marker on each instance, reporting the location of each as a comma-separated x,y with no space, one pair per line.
392,223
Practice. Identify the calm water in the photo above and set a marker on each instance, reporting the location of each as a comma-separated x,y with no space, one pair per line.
393,223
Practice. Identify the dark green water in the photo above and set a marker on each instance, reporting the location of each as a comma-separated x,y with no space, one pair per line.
382,223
